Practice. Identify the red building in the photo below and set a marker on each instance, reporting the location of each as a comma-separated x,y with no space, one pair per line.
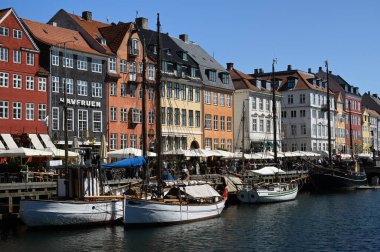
23,84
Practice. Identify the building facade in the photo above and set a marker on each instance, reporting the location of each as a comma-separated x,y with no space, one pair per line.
23,83
366,131
340,126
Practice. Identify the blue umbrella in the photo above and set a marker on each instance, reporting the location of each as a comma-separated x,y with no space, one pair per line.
125,163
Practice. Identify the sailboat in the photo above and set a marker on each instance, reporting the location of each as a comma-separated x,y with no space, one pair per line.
340,175
79,201
269,192
182,202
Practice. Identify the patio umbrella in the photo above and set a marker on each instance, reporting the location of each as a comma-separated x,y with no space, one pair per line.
122,153
24,152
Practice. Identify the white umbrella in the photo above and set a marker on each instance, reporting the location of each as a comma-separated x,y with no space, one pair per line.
225,154
123,153
175,152
61,153
24,152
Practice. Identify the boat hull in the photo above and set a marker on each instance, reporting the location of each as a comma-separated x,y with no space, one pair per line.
145,212
45,213
266,196
337,180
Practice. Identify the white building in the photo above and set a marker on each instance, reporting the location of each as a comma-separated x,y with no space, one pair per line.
253,108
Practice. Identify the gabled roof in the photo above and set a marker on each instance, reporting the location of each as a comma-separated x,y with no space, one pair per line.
205,61
373,113
6,12
114,34
336,83
56,36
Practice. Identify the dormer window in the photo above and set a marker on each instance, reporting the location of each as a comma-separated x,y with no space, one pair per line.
4,31
212,75
102,41
291,83
167,67
225,79
184,56
258,84
153,48
194,72
134,49
167,51
17,34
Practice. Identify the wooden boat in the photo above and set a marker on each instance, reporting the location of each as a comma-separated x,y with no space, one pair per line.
181,204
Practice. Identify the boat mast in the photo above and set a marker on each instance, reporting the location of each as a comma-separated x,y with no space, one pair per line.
243,136
143,108
274,113
158,107
350,123
328,111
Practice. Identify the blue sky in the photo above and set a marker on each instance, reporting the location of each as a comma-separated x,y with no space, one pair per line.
250,33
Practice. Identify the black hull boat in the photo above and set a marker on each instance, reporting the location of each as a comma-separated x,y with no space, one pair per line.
323,178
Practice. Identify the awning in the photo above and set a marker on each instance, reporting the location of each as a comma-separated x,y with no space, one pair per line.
125,163
200,191
47,141
9,141
123,153
36,142
24,152
2,145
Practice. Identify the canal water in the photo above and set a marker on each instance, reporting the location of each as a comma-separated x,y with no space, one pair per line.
344,221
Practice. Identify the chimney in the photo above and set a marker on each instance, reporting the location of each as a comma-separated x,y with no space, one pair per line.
142,23
374,95
261,70
309,70
289,67
54,24
330,72
369,93
184,37
230,66
320,69
87,15
256,70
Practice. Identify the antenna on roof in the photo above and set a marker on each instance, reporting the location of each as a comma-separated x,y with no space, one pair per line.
137,13
108,20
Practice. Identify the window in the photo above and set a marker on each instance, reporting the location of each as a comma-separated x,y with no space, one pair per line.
267,106
123,90
123,141
123,66
215,98
17,57
254,105
82,88
176,91
41,84
176,117
221,99
133,91
207,97
183,91
55,118
134,49
17,110
113,114
302,113
3,54
184,118
4,110
302,98
17,81
290,99
4,31
303,129
97,121
261,107
82,120
67,60
254,125
70,120
169,90
55,58
190,92
123,114
212,75
150,72
228,100
133,141
222,123
197,94
82,63
225,79
293,113
113,89
229,145
17,34
197,119
112,65
170,116
41,112
268,126
96,66
163,117
216,143
132,71
113,141
4,79
216,122
151,117
303,146
96,89
314,129
293,130
29,111
223,144
55,84
291,83
294,146
151,93
69,86
29,83
141,68
229,125
261,125
283,114
191,118
207,121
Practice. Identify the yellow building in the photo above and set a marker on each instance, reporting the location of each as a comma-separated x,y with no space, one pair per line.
366,133
340,140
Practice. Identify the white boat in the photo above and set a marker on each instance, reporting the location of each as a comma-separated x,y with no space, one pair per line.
44,213
180,205
274,192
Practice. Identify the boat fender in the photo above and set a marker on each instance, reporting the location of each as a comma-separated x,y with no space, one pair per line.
225,193
93,207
